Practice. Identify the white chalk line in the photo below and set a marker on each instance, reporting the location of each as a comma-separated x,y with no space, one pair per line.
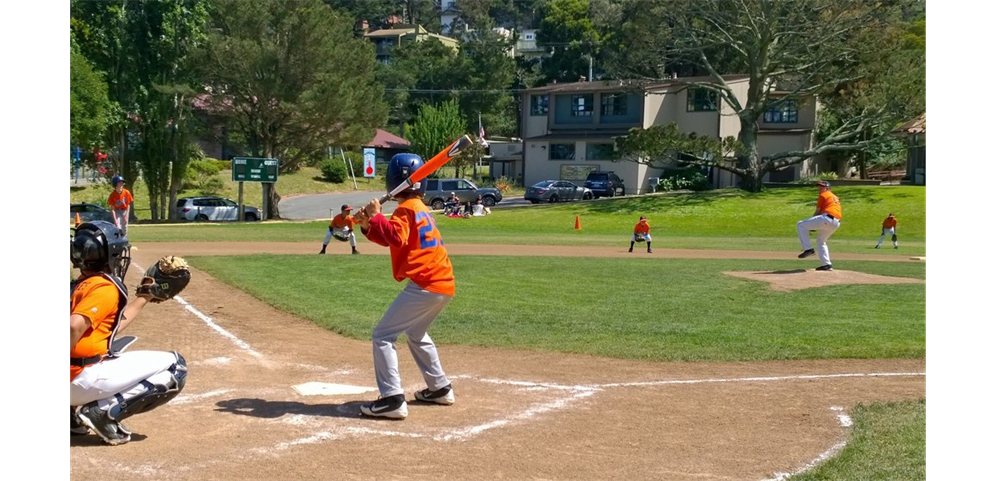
824,456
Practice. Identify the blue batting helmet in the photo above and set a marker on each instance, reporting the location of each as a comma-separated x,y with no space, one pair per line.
116,179
400,168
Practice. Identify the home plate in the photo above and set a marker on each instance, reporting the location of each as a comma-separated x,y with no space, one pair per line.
330,389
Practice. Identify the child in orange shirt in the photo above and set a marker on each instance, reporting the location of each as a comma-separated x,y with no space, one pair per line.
418,255
341,228
641,233
825,221
888,227
120,202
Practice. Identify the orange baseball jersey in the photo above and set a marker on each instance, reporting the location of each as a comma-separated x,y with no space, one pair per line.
120,201
95,298
416,248
889,222
830,204
343,220
642,227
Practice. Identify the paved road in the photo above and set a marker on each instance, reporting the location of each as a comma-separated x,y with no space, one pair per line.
324,206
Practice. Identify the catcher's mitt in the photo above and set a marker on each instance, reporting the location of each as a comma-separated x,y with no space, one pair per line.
165,279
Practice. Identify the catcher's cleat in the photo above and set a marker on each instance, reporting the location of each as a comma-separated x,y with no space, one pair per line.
827,267
97,420
441,396
76,428
806,253
392,407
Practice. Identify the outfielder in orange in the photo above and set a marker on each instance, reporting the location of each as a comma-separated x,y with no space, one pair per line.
341,228
888,227
827,217
641,233
418,255
106,384
120,202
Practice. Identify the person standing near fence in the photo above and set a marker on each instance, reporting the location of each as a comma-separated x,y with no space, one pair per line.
120,202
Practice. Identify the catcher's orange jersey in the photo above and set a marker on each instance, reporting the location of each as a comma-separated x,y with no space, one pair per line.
96,299
120,201
889,222
343,220
830,204
416,248
642,227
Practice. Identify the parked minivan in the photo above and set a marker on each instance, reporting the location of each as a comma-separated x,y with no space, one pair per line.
604,183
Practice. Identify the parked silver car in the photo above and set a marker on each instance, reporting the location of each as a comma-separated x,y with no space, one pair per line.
207,208
557,191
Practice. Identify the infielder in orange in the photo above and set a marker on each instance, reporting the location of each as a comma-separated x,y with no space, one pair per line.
641,233
888,227
827,217
418,255
341,228
120,202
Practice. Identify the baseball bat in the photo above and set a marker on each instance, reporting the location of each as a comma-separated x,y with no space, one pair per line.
431,166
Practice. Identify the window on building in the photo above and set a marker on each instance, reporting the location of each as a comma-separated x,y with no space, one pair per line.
702,100
540,104
600,151
562,151
581,105
786,113
530,37
614,104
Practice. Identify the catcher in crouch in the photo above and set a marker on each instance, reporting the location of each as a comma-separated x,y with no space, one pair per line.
341,228
106,384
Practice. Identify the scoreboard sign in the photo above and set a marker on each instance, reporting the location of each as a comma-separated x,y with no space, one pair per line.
251,169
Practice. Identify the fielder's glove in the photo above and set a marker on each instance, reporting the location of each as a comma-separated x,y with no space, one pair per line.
165,279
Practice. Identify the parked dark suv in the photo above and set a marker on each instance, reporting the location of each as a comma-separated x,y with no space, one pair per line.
605,183
437,190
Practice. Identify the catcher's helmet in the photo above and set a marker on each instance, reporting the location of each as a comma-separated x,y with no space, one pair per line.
99,246
116,179
400,168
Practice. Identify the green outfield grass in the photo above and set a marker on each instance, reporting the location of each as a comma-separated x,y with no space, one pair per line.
656,309
722,219
888,442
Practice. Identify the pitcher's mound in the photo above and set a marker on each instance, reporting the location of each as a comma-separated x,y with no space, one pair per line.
797,279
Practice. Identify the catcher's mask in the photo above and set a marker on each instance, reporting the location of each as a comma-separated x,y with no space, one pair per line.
99,246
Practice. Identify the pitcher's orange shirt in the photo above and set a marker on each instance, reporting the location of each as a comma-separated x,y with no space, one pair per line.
830,204
96,299
416,248
642,227
120,201
889,222
343,220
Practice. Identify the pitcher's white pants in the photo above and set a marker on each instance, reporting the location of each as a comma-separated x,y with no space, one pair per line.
825,226
411,313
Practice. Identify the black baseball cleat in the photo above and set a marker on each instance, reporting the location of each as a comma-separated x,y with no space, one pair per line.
440,396
827,267
99,422
76,428
877,247
806,253
392,407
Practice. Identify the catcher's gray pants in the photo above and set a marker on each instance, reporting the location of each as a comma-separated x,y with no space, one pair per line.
825,226
411,313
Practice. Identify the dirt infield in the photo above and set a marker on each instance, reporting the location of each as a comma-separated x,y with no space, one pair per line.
518,414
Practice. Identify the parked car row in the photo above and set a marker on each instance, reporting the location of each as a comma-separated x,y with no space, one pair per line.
201,208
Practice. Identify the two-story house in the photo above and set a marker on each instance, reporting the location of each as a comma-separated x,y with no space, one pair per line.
385,39
570,129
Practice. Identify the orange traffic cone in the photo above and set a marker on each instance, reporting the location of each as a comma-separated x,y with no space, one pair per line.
78,222
577,223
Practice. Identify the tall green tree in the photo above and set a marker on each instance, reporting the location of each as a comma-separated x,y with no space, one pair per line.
146,48
292,78
802,47
567,30
435,128
89,106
